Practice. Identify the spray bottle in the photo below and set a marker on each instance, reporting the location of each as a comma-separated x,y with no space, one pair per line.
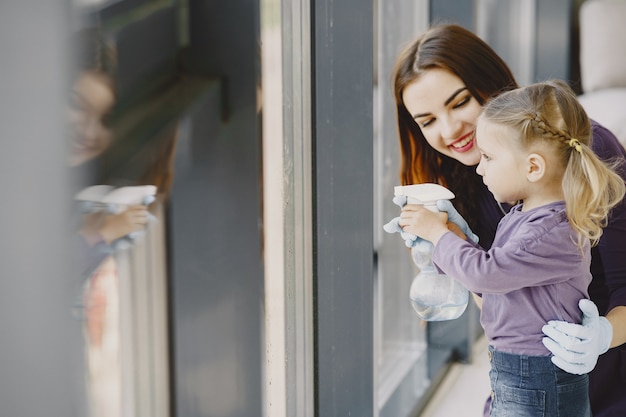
434,296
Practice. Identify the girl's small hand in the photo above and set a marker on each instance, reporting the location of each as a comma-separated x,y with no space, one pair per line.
424,223
115,226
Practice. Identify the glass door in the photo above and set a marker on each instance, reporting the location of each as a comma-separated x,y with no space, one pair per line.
400,339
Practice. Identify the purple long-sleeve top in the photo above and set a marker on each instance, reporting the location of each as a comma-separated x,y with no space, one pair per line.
608,263
534,272
607,382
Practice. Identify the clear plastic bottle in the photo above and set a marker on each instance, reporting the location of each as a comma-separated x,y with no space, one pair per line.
434,296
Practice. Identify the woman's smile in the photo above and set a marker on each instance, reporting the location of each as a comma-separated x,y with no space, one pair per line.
464,144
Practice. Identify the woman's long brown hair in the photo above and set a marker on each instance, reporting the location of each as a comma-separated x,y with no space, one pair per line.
484,73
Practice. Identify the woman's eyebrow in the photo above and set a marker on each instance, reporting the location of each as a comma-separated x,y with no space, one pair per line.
453,95
448,100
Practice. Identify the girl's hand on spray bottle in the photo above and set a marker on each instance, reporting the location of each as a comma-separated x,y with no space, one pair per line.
107,227
115,226
456,223
429,225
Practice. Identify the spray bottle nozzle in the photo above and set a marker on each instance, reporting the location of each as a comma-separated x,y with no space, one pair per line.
425,194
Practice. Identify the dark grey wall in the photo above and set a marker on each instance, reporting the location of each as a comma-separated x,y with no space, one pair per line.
40,352
343,218
453,11
215,232
553,40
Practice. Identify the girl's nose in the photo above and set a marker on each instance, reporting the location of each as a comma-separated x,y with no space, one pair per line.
479,168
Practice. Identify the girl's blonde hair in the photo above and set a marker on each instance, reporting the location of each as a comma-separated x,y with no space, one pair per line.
550,112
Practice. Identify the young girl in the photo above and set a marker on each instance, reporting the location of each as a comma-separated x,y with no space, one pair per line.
534,147
445,76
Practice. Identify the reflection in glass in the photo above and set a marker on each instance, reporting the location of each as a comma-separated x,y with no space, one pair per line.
91,100
120,243
101,300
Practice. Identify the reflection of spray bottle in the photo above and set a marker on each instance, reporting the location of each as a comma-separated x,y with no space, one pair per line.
434,296
115,200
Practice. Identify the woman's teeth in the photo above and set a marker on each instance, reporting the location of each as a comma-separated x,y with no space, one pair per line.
462,143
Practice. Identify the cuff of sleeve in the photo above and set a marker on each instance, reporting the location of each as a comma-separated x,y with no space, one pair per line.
606,334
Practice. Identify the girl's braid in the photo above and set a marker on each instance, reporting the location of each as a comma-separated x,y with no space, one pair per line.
538,123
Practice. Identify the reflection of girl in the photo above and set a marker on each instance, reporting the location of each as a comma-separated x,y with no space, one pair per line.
92,99
534,149
442,81
91,143
102,334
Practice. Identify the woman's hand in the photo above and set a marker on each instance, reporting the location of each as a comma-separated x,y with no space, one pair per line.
576,347
456,222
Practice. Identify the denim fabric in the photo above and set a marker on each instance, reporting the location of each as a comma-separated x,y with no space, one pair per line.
532,386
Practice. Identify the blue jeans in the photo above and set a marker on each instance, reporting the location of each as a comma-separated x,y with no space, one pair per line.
532,386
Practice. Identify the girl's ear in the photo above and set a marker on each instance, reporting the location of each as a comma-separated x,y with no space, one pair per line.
536,167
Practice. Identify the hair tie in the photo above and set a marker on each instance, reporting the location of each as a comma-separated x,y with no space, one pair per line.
574,143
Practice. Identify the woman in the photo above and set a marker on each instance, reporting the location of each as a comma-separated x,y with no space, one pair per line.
441,82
